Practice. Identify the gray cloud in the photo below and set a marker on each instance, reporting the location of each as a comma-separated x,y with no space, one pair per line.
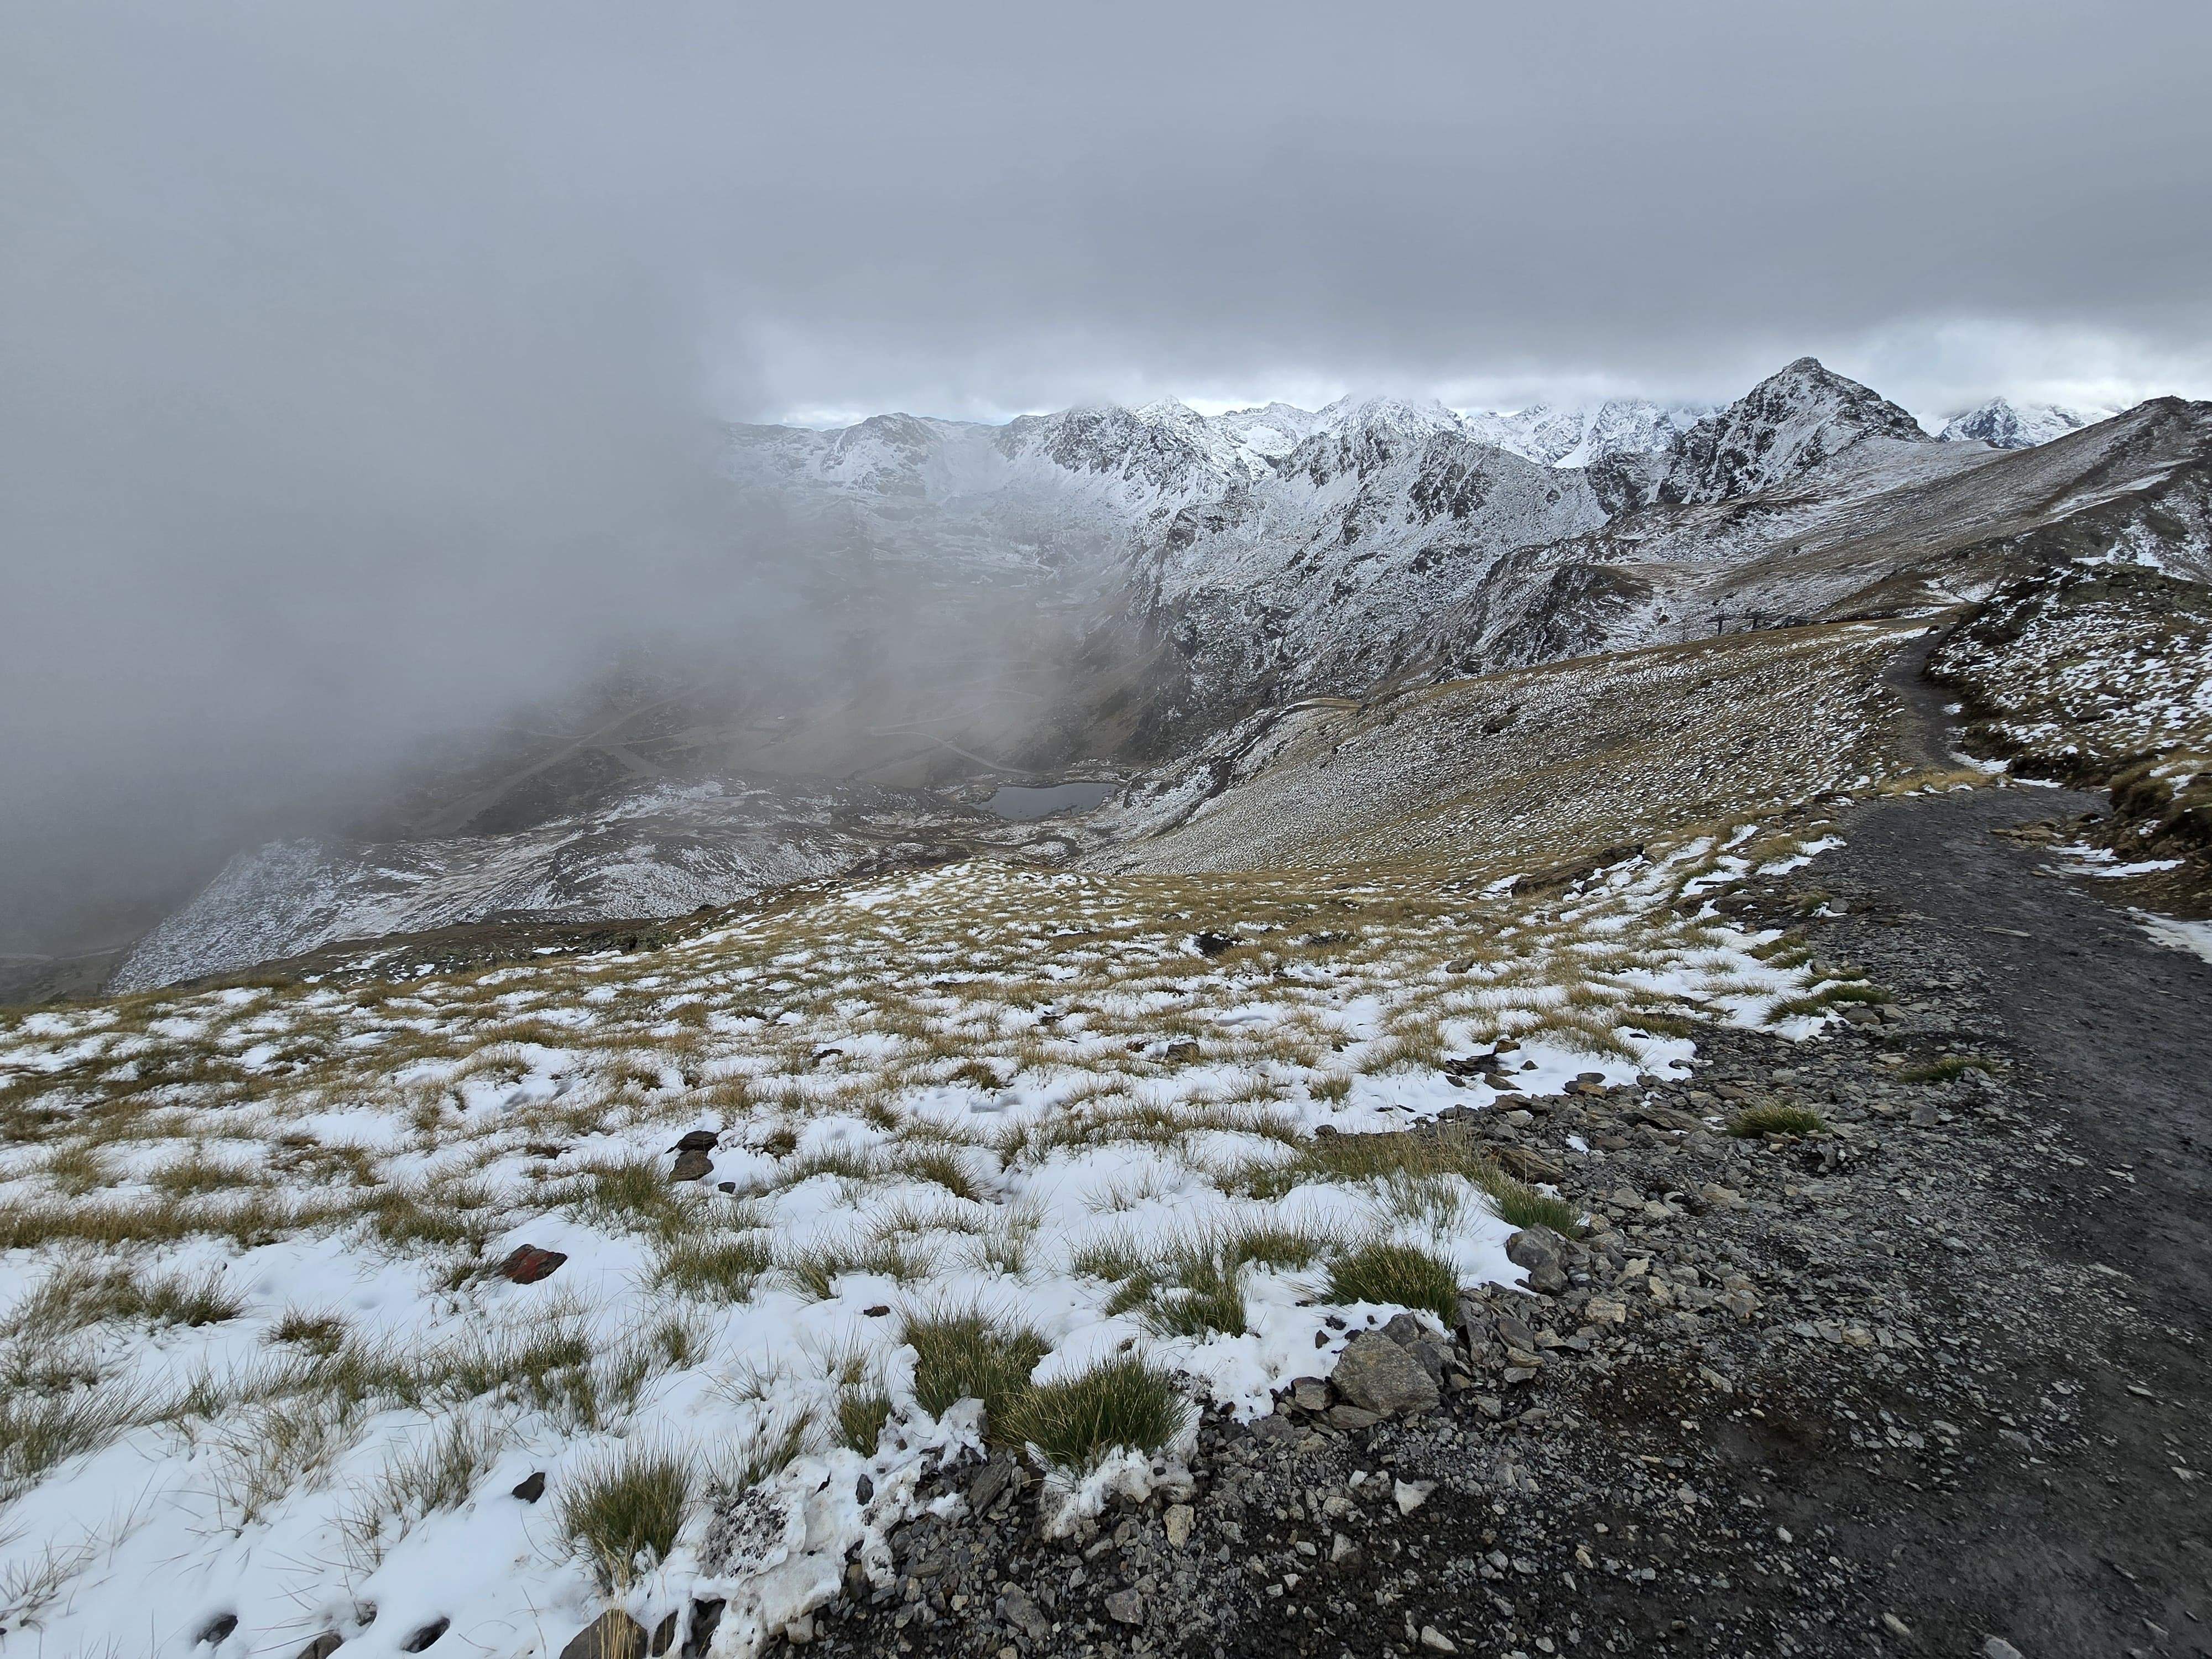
356,355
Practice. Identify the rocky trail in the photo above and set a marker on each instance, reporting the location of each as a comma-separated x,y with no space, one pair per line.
1928,1379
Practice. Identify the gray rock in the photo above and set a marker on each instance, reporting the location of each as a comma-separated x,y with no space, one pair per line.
1126,1606
1375,1374
1997,1648
613,1635
691,1166
1023,1613
1000,1474
1404,1329
1540,1250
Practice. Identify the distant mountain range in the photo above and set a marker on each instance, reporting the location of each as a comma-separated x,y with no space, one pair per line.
1132,589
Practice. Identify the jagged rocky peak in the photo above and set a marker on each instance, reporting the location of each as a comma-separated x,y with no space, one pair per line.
1167,445
1361,434
1580,436
2003,424
1790,423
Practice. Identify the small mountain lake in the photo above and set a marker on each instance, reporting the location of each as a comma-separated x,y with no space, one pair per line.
1016,802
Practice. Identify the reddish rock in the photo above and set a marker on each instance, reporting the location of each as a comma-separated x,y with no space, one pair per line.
527,1264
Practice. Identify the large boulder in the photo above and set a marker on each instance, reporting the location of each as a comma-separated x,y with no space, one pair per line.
1377,1375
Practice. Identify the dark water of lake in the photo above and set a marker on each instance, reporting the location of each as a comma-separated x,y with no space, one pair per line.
1016,802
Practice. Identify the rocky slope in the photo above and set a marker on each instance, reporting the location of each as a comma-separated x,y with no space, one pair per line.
660,850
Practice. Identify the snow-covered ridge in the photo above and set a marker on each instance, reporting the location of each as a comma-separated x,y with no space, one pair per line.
2003,424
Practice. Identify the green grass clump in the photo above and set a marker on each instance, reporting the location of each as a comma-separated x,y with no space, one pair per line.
75,1297
1948,1068
861,1413
1755,1120
1120,1402
1519,1205
624,1511
725,1268
37,1432
1400,1275
630,1195
971,1355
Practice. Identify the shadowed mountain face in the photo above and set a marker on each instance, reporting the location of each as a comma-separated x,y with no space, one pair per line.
1112,591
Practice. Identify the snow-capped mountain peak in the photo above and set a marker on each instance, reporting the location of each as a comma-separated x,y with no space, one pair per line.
1794,420
2002,424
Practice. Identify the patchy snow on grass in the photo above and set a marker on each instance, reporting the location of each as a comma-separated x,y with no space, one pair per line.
261,1365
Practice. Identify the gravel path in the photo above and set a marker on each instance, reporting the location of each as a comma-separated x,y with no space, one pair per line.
2111,1038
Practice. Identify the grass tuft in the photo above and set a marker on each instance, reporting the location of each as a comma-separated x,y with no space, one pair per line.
1519,1204
724,1268
1077,1420
970,1356
861,1413
624,1511
1397,1275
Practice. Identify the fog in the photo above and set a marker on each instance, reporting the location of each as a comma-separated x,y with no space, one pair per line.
361,361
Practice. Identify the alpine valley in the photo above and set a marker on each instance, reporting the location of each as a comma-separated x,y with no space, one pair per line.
1118,594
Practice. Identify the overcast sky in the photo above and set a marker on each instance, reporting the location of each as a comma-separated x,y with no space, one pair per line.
354,353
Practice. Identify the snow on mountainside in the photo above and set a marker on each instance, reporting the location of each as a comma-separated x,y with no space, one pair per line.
1577,437
2002,424
1322,576
1788,423
660,851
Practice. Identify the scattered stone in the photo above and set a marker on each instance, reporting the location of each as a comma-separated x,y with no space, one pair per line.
1997,1648
1538,1249
691,1166
530,1487
698,1140
996,1476
1375,1374
1436,1641
1177,1523
526,1264
1410,1495
613,1635
1023,1613
1896,1626
1126,1606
